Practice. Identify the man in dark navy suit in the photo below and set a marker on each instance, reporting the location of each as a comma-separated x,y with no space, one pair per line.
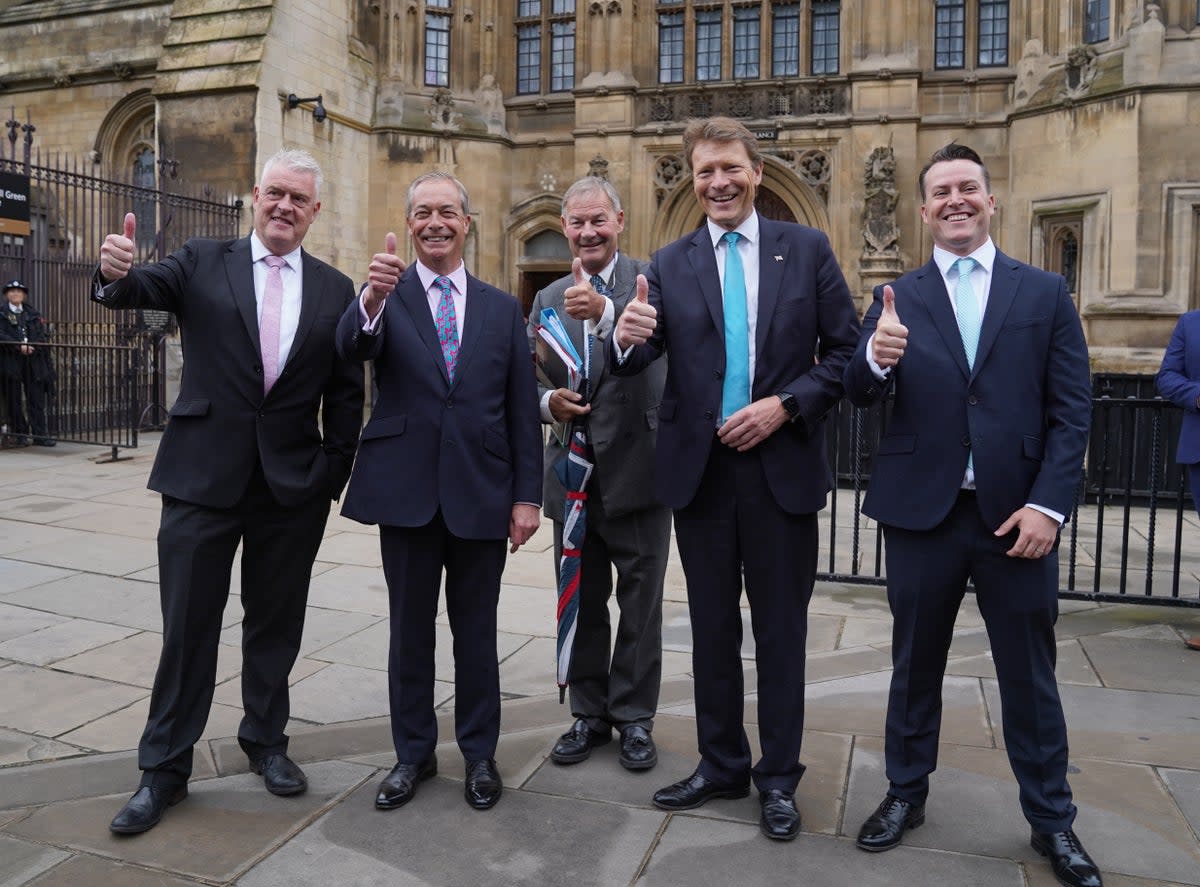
449,465
243,460
759,324
1178,381
972,481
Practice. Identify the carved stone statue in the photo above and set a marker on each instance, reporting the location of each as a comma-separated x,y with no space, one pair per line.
880,231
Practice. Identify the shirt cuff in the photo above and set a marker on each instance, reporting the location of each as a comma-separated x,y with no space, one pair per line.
621,355
602,327
1046,511
547,416
876,370
369,325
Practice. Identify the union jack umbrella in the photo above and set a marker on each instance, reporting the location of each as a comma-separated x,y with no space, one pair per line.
573,472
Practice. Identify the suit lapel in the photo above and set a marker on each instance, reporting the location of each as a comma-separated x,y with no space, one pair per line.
1005,282
473,326
772,259
239,269
622,286
312,284
931,290
704,263
412,297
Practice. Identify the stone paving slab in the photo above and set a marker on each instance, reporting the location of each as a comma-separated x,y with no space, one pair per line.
698,852
437,839
50,703
18,575
121,730
1073,666
48,509
1184,786
221,829
346,693
133,660
22,748
230,692
61,641
1135,663
99,598
18,622
78,777
22,860
92,551
347,587
121,520
92,871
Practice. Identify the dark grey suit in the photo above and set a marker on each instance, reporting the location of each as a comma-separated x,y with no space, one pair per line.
627,527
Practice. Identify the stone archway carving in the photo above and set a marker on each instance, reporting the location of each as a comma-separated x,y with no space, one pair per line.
127,130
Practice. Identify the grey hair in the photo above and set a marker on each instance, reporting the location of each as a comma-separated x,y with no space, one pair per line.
588,184
298,160
437,177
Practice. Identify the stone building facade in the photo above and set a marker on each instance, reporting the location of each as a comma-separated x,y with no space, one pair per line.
1083,109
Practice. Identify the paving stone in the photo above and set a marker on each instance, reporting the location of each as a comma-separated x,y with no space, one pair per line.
66,485
62,640
528,611
1184,786
22,860
1132,663
17,622
91,871
352,741
343,587
79,777
846,599
21,748
1124,725
230,692
347,693
525,839
50,703
121,730
529,569
99,598
845,663
677,630
120,520
223,827
351,548
700,852
865,632
1072,667
96,552
134,660
18,575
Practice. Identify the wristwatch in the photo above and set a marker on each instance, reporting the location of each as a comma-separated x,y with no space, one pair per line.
790,405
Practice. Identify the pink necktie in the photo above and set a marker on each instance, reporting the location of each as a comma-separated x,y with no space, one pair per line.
268,324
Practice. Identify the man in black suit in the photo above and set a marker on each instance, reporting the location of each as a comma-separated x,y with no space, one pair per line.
243,459
973,478
611,685
759,324
449,466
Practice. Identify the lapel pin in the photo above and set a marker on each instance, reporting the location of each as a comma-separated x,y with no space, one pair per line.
779,258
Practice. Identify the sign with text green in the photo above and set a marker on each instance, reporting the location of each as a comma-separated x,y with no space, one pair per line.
14,204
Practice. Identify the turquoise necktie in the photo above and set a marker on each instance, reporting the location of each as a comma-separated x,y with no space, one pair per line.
735,392
967,307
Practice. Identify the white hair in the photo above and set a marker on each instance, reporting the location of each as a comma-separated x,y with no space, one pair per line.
298,160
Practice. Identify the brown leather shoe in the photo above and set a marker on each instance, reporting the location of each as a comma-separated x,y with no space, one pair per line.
1193,643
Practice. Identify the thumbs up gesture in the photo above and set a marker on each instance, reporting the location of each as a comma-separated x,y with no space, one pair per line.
887,344
639,319
116,253
383,275
581,299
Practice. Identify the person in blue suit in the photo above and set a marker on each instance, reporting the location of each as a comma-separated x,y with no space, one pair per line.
1178,380
759,324
449,466
972,480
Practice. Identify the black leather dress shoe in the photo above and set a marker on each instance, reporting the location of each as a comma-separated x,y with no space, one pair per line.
1071,863
886,826
637,748
143,811
280,774
694,791
780,819
44,442
577,743
400,786
483,784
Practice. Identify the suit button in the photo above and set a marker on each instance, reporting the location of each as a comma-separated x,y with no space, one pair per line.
972,400
449,404
718,374
261,414
708,414
623,397
257,370
966,441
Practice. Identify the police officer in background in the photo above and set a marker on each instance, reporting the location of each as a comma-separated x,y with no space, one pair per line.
25,369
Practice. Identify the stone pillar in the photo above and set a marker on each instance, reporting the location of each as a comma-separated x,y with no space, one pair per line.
880,261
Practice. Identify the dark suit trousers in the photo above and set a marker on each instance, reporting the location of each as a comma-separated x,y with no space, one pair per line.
734,527
621,689
413,561
196,547
927,575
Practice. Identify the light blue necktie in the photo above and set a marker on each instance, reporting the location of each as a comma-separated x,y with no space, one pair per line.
735,393
967,308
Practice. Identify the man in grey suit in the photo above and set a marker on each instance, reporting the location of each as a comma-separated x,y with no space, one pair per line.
627,528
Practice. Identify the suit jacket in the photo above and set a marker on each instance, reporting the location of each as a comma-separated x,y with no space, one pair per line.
1023,411
472,447
807,329
222,424
623,422
1178,381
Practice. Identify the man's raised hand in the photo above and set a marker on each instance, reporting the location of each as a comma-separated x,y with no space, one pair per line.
639,319
116,253
891,336
581,299
383,275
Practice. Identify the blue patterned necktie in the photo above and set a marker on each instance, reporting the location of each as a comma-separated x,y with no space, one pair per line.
735,392
447,325
966,305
